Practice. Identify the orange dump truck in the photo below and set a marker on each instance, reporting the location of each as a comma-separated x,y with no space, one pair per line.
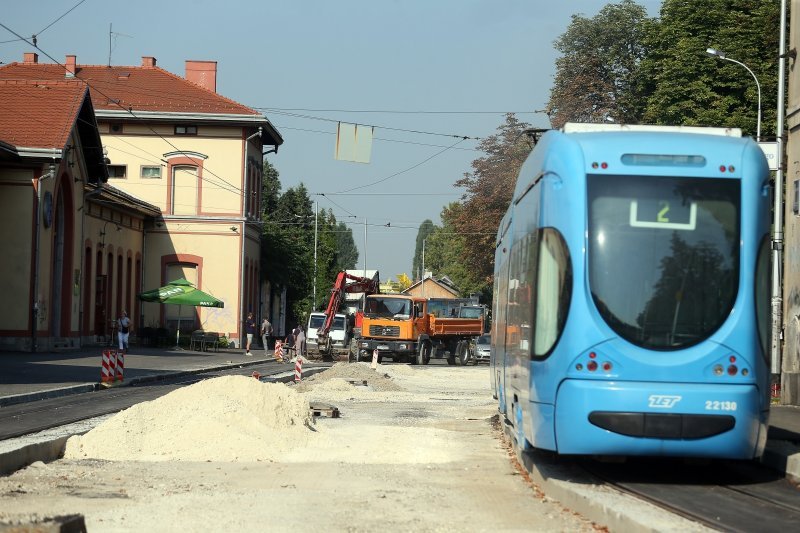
401,327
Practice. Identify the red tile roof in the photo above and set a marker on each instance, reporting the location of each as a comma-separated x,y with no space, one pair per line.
39,114
138,88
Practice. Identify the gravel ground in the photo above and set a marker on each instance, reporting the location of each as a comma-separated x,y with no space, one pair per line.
415,449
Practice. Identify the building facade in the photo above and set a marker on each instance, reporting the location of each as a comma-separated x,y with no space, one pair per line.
190,160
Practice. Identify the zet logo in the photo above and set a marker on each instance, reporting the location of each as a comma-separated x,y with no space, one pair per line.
662,401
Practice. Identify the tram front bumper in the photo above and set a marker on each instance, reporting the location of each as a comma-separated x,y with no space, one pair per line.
638,418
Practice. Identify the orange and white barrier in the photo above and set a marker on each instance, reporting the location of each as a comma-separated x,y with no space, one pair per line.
120,366
112,366
106,375
278,351
298,370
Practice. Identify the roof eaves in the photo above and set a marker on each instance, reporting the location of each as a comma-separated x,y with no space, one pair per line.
228,118
124,200
32,152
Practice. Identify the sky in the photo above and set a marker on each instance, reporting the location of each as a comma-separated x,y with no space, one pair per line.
424,73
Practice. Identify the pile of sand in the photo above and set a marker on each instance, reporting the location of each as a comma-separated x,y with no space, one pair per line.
377,380
233,418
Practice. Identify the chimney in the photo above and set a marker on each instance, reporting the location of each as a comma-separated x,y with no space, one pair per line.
148,62
70,64
30,58
203,73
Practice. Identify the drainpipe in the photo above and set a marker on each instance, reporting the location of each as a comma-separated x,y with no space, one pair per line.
35,304
245,217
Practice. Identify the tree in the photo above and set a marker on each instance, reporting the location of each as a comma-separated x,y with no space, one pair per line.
681,84
489,188
287,246
346,249
425,229
403,282
598,66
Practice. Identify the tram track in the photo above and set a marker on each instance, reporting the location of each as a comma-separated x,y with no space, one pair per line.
23,419
722,495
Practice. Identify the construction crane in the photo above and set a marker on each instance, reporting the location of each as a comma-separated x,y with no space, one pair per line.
345,283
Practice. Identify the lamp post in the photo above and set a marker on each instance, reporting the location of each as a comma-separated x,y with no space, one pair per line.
721,55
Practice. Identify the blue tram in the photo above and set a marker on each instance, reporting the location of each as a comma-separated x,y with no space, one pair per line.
631,296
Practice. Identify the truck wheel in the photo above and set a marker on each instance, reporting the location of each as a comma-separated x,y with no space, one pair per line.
424,353
463,353
451,354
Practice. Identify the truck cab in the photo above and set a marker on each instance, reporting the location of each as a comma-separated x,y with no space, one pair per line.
392,324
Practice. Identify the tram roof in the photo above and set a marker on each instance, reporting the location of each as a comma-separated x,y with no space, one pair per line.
575,127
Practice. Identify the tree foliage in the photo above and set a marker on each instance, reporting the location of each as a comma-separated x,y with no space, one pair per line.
425,229
680,84
346,249
489,188
598,65
288,246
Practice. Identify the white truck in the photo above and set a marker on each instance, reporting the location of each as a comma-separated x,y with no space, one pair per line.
337,341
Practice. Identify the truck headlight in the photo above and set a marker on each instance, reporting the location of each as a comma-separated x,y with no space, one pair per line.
403,346
365,345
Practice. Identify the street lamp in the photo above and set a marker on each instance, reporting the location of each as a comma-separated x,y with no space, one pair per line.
721,55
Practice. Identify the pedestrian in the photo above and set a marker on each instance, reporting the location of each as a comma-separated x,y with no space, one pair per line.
124,326
250,330
266,332
299,340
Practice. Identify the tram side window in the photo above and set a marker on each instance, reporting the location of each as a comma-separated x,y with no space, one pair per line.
520,293
553,292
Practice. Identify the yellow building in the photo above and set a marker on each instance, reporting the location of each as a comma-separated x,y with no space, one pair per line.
51,169
184,196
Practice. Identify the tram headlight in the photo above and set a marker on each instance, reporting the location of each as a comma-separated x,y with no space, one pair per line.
718,370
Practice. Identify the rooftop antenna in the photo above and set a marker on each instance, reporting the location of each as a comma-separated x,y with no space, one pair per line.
111,36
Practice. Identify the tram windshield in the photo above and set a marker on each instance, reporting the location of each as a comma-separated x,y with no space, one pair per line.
663,256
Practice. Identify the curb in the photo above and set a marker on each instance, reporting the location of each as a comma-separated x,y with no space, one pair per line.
783,456
92,387
45,394
580,492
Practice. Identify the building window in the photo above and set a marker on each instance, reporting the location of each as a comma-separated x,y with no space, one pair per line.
151,172
185,130
117,171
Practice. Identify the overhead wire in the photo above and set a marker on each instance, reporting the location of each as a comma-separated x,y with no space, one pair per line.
35,35
224,184
401,112
127,110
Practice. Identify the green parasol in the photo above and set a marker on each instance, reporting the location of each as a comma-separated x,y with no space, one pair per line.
180,292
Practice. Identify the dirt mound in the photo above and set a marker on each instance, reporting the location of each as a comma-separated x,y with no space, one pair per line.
232,418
